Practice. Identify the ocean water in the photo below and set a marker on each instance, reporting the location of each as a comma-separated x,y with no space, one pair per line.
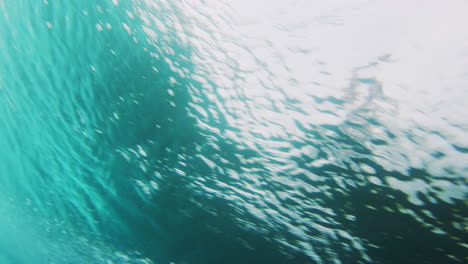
235,132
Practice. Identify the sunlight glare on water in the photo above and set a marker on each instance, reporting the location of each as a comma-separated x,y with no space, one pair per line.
199,132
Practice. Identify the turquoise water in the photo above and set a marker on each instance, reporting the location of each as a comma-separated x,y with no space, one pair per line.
227,132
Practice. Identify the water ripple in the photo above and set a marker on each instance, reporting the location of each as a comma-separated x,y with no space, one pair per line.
224,132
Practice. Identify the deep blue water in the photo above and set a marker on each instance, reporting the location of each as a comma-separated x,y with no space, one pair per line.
211,132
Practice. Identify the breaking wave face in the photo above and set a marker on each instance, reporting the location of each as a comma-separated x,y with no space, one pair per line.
205,132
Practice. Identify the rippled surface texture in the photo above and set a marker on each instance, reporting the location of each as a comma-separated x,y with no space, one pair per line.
207,132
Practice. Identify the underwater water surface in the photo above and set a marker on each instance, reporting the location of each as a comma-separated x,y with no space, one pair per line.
235,132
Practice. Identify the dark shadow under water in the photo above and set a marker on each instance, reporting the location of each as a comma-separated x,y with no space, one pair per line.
177,222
